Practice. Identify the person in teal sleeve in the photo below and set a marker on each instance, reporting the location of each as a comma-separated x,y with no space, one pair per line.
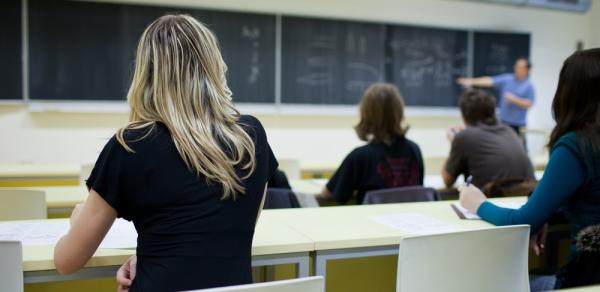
571,181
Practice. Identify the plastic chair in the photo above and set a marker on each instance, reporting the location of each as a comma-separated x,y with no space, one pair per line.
291,168
280,199
488,260
22,205
400,195
11,266
307,284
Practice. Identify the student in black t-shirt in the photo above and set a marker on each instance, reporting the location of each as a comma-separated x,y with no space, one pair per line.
188,170
388,160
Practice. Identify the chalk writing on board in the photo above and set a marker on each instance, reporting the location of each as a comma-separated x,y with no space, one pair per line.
253,35
499,54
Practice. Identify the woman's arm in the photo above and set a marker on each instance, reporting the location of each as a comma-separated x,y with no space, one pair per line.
562,177
89,224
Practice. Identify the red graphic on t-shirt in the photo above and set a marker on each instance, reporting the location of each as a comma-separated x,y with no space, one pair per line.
398,172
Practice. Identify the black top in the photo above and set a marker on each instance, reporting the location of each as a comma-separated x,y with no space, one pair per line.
377,166
188,237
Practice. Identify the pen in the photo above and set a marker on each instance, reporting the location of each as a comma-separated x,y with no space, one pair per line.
469,180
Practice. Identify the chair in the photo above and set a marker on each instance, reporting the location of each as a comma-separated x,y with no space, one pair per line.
22,204
490,260
291,168
307,284
11,266
509,187
280,198
400,195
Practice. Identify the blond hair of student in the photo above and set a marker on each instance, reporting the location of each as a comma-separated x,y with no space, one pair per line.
182,84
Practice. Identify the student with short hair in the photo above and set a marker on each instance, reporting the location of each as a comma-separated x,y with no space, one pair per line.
517,94
388,160
571,181
187,169
485,149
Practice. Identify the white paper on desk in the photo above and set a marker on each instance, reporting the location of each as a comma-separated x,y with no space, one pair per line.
34,233
472,216
122,234
415,223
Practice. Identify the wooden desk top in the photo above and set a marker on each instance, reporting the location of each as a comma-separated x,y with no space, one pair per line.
350,227
271,237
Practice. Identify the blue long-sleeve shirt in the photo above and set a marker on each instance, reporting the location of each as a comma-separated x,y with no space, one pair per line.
564,174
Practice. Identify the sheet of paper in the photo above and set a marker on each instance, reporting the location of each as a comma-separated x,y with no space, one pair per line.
34,233
415,223
472,216
121,235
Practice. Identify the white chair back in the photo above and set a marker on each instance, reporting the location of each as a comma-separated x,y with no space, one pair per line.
11,266
307,284
22,204
489,260
291,167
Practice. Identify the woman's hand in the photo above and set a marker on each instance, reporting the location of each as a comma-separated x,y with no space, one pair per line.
537,242
126,274
471,197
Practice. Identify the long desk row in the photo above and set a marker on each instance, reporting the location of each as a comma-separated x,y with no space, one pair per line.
287,236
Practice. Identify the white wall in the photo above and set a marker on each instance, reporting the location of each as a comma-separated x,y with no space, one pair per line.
77,138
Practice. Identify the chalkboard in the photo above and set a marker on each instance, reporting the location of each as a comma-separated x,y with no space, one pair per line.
329,61
85,50
495,53
425,62
10,50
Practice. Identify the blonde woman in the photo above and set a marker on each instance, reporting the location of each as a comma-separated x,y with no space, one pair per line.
188,170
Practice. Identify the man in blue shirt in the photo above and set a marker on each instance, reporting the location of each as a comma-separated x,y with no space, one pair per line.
516,93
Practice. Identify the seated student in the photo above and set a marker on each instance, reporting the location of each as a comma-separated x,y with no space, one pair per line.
388,160
485,149
571,181
188,169
279,181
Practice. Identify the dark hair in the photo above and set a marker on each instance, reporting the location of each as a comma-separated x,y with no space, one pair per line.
584,268
478,106
529,65
381,114
576,104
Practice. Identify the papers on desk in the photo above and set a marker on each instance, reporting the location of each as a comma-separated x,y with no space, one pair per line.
121,235
466,214
34,233
415,223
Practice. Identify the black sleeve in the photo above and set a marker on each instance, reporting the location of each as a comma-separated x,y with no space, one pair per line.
106,177
279,180
421,164
456,164
342,183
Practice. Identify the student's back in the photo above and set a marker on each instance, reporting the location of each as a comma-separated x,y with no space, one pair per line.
388,160
187,169
188,237
489,153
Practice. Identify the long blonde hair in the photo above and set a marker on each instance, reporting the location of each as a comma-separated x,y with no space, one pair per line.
179,80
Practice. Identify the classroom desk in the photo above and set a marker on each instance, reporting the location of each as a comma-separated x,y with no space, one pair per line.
274,244
347,232
27,175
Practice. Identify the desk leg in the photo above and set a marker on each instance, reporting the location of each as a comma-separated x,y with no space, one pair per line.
322,256
301,259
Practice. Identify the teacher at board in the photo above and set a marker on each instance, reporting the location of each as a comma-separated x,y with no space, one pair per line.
516,93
